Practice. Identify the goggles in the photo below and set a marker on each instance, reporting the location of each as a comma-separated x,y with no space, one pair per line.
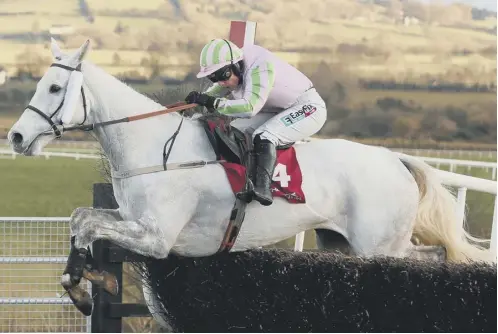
222,74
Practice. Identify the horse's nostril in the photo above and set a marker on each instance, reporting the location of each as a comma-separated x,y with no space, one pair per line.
17,138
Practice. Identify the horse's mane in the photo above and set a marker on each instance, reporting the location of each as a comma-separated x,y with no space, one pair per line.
177,93
172,94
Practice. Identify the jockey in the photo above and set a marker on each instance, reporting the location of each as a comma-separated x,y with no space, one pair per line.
269,98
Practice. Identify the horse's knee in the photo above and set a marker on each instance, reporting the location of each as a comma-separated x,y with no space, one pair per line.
78,216
81,211
85,236
159,249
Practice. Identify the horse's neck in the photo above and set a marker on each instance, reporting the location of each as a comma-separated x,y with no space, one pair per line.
139,143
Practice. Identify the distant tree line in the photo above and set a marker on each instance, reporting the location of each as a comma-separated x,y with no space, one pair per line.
432,87
385,117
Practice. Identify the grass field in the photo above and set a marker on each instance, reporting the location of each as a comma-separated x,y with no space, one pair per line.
39,187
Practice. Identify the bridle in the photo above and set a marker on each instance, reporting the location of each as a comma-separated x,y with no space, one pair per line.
59,129
55,129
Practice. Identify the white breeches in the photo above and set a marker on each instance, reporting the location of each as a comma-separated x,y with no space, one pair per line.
302,120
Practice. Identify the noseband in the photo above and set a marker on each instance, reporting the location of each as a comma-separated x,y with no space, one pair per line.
53,126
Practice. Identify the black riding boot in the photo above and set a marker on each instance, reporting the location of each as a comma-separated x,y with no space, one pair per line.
247,194
266,156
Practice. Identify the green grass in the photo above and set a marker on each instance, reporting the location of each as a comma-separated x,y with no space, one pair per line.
40,187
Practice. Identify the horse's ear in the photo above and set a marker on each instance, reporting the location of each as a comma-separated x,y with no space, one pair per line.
77,58
56,50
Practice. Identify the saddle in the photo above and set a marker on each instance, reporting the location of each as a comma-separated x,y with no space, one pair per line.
229,143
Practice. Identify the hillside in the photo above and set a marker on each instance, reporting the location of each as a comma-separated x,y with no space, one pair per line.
388,69
369,38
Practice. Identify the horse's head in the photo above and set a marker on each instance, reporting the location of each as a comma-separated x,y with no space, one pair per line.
58,100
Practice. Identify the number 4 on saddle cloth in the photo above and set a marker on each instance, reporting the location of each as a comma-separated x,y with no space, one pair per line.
231,145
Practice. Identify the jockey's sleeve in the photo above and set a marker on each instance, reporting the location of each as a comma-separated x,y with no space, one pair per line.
259,83
214,90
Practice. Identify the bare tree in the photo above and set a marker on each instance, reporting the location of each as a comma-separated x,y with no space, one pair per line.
153,63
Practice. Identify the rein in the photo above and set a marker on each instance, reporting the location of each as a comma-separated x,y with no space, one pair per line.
178,106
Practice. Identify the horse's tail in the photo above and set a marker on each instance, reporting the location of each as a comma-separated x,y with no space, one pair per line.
436,222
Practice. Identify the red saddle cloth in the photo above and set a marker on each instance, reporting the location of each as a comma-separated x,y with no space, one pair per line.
287,177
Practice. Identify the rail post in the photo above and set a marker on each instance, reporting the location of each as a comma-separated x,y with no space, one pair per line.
109,310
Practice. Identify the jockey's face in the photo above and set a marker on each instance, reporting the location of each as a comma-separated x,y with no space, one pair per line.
225,78
231,83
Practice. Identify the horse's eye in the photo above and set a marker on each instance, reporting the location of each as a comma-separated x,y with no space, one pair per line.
55,88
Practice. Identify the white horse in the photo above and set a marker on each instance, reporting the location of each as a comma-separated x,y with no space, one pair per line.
372,196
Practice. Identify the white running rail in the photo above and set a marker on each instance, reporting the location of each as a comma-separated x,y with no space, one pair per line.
48,155
453,163
33,254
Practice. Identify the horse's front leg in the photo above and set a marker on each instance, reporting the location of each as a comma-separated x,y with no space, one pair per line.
142,236
81,264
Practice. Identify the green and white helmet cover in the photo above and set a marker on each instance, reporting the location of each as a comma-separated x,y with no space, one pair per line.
216,55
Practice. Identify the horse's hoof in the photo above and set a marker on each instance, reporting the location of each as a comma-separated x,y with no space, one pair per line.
431,253
104,279
111,283
81,299
66,281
